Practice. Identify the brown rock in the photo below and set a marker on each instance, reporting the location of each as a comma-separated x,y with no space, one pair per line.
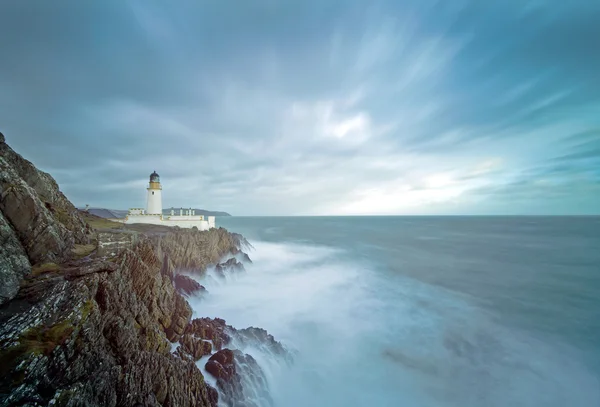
210,330
195,347
187,286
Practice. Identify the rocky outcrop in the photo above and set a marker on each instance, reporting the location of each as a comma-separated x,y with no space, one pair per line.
210,330
90,324
194,347
192,252
37,215
14,264
239,378
229,266
99,335
188,286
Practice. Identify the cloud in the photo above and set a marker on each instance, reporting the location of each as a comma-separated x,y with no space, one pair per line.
309,107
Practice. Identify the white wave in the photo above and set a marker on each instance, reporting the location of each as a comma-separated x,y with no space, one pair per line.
365,337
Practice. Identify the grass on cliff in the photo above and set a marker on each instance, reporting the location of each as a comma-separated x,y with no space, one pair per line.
96,222
39,340
40,269
83,250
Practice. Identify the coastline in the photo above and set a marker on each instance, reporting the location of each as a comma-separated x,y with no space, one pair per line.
96,313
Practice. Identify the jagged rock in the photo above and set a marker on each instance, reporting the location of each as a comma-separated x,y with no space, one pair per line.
95,331
14,264
210,330
36,221
195,347
101,339
260,338
193,251
241,380
45,222
221,365
230,266
187,286
94,267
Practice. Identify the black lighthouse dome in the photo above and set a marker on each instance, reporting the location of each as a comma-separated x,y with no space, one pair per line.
154,177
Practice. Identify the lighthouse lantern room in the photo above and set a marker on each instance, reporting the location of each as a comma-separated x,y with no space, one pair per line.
154,206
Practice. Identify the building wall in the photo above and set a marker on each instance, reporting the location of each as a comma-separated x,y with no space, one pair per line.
184,217
154,202
169,221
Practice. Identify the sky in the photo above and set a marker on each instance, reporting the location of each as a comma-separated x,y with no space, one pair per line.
309,107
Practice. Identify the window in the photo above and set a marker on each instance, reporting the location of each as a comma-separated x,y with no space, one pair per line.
152,192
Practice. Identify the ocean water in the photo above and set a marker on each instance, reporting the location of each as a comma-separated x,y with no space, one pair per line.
421,311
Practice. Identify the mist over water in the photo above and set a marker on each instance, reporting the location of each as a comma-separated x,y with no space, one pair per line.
421,311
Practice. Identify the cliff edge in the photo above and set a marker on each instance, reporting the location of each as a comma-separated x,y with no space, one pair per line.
96,317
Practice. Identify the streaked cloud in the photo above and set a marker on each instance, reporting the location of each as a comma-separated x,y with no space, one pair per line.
385,107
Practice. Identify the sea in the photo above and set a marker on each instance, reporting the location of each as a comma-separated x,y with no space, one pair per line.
420,311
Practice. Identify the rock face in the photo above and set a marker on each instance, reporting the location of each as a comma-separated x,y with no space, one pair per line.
230,266
240,379
90,324
14,264
100,337
187,286
192,251
37,216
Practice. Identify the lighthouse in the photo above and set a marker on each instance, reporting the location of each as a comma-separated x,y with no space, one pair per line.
153,213
154,206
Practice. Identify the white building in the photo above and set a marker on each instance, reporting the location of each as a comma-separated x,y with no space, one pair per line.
153,214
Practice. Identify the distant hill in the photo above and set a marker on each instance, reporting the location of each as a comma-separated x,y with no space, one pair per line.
204,212
119,213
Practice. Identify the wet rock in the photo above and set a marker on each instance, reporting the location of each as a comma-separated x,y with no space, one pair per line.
221,365
230,266
193,251
102,339
94,329
241,380
195,347
260,338
245,257
188,286
210,330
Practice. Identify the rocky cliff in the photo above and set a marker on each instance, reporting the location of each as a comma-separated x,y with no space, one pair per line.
37,222
98,319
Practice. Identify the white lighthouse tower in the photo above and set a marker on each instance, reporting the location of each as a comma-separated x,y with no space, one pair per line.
154,206
186,218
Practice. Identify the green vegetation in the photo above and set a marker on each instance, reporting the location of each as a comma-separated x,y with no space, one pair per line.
83,250
39,340
86,309
97,222
40,269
